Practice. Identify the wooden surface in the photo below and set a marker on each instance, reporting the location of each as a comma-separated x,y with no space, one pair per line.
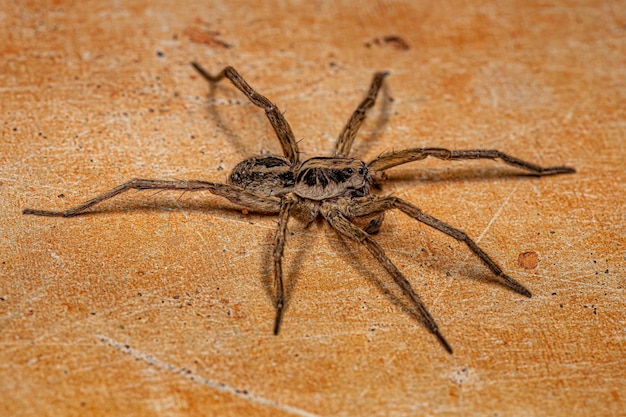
161,304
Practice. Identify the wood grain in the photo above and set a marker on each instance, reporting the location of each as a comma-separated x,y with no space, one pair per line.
162,304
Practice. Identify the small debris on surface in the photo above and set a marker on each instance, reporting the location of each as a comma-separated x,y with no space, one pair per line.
204,35
394,41
528,260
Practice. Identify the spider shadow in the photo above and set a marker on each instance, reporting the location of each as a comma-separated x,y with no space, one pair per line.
471,271
236,140
379,278
452,175
216,209
219,207
362,146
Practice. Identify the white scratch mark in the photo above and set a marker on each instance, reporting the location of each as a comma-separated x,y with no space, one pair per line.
186,214
497,213
493,219
184,372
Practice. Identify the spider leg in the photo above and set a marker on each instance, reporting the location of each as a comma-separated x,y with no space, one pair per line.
395,158
342,225
382,204
276,118
347,135
235,194
279,249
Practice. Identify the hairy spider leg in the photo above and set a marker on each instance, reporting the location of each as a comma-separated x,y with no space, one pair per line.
233,193
391,159
347,135
276,118
279,249
382,204
340,223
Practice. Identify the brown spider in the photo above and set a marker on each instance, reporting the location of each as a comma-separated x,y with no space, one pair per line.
335,187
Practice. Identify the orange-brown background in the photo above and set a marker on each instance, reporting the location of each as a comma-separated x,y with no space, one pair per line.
160,305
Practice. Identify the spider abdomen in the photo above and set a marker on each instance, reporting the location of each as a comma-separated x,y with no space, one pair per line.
264,175
322,178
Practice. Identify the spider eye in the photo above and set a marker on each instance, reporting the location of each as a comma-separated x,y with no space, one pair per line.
350,171
361,171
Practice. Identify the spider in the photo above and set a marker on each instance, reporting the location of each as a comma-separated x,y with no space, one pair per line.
336,188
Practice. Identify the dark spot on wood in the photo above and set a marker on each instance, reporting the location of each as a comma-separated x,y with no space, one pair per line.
394,41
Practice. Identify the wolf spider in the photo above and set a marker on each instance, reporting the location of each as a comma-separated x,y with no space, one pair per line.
336,188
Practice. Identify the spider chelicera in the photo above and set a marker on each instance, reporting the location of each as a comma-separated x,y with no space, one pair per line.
337,188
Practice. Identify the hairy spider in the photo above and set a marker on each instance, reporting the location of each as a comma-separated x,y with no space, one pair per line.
336,188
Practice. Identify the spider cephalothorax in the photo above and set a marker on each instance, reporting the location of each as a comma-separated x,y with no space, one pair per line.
336,188
319,178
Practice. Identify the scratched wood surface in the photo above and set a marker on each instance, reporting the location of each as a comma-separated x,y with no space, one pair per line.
161,304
